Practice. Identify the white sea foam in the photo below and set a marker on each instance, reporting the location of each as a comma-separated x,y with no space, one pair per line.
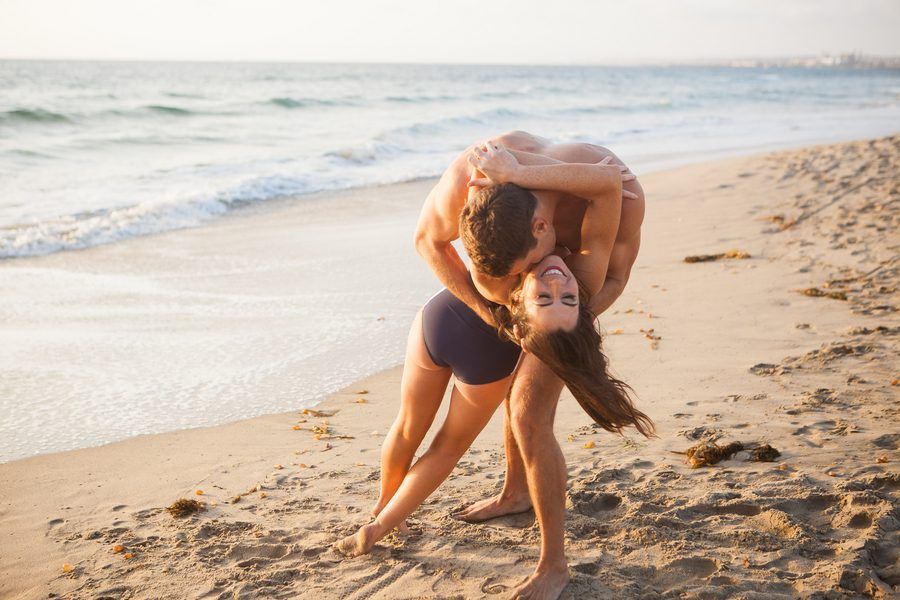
147,148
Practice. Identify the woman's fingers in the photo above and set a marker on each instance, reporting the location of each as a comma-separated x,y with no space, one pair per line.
629,195
628,177
480,182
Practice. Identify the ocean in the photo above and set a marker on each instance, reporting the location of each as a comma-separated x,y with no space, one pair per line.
272,295
96,152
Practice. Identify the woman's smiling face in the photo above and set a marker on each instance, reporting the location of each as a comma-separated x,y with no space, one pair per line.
550,295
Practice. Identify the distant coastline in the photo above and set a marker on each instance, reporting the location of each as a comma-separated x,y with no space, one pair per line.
851,60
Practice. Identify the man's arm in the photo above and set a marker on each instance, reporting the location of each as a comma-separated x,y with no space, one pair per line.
590,181
438,226
621,260
600,184
528,158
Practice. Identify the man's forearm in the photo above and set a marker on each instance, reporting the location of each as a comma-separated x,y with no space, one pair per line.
529,158
587,181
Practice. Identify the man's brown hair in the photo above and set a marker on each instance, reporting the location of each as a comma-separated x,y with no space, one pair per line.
495,227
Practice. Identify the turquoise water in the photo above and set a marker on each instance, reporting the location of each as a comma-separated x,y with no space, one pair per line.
92,153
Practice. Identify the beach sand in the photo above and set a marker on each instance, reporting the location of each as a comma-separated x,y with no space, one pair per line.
795,346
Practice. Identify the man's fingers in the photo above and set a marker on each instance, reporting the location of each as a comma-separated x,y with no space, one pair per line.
630,195
606,160
480,182
628,177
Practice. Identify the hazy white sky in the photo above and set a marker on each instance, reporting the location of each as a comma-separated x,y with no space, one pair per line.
466,31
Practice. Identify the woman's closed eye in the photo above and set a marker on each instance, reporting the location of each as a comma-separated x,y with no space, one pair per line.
544,299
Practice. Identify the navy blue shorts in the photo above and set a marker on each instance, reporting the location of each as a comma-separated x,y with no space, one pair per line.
456,337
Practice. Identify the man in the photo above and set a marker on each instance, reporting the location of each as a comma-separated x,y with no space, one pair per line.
535,474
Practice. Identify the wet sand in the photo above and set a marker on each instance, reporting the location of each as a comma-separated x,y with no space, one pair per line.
794,347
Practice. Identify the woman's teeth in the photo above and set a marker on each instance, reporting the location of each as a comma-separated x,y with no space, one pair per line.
554,271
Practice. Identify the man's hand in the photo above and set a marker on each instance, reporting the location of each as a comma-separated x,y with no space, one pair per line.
496,163
627,175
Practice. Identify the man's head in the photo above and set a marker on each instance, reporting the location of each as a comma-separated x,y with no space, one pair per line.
501,233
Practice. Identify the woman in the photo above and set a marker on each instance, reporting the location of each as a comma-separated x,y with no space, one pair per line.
448,338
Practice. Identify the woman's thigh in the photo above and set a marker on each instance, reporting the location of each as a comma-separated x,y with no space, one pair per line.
423,383
471,408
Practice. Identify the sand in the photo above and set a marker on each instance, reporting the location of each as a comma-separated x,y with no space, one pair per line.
720,351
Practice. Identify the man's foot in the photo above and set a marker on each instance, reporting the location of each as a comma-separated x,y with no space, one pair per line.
491,508
359,543
544,584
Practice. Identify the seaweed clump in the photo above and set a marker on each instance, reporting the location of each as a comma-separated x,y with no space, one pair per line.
732,254
184,507
709,453
705,454
764,453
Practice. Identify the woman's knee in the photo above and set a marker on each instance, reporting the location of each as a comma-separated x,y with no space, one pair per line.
448,453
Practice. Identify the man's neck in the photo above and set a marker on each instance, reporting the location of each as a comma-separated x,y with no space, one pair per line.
565,216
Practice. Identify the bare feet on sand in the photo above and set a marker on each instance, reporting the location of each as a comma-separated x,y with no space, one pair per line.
359,543
402,528
544,584
491,508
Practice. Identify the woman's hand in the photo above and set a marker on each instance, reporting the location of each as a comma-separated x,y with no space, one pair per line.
496,163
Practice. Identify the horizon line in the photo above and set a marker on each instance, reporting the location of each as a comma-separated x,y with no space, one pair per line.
622,63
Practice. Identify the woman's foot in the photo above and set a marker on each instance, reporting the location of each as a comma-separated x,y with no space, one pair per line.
491,508
360,542
402,528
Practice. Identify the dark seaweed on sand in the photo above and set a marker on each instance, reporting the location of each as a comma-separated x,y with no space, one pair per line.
764,453
705,454
184,507
709,453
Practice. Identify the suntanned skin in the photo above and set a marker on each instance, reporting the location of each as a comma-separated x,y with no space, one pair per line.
535,465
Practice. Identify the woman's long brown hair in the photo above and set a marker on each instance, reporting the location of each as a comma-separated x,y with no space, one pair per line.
576,357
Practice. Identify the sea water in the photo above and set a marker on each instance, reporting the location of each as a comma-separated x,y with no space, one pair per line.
96,152
270,296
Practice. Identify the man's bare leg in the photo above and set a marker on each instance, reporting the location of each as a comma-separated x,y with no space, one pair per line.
533,401
513,498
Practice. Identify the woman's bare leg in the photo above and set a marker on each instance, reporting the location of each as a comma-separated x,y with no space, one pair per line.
421,391
471,407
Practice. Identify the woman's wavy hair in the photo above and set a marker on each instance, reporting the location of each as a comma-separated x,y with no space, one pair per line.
575,357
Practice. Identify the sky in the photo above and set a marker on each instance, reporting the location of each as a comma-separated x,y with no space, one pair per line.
455,31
